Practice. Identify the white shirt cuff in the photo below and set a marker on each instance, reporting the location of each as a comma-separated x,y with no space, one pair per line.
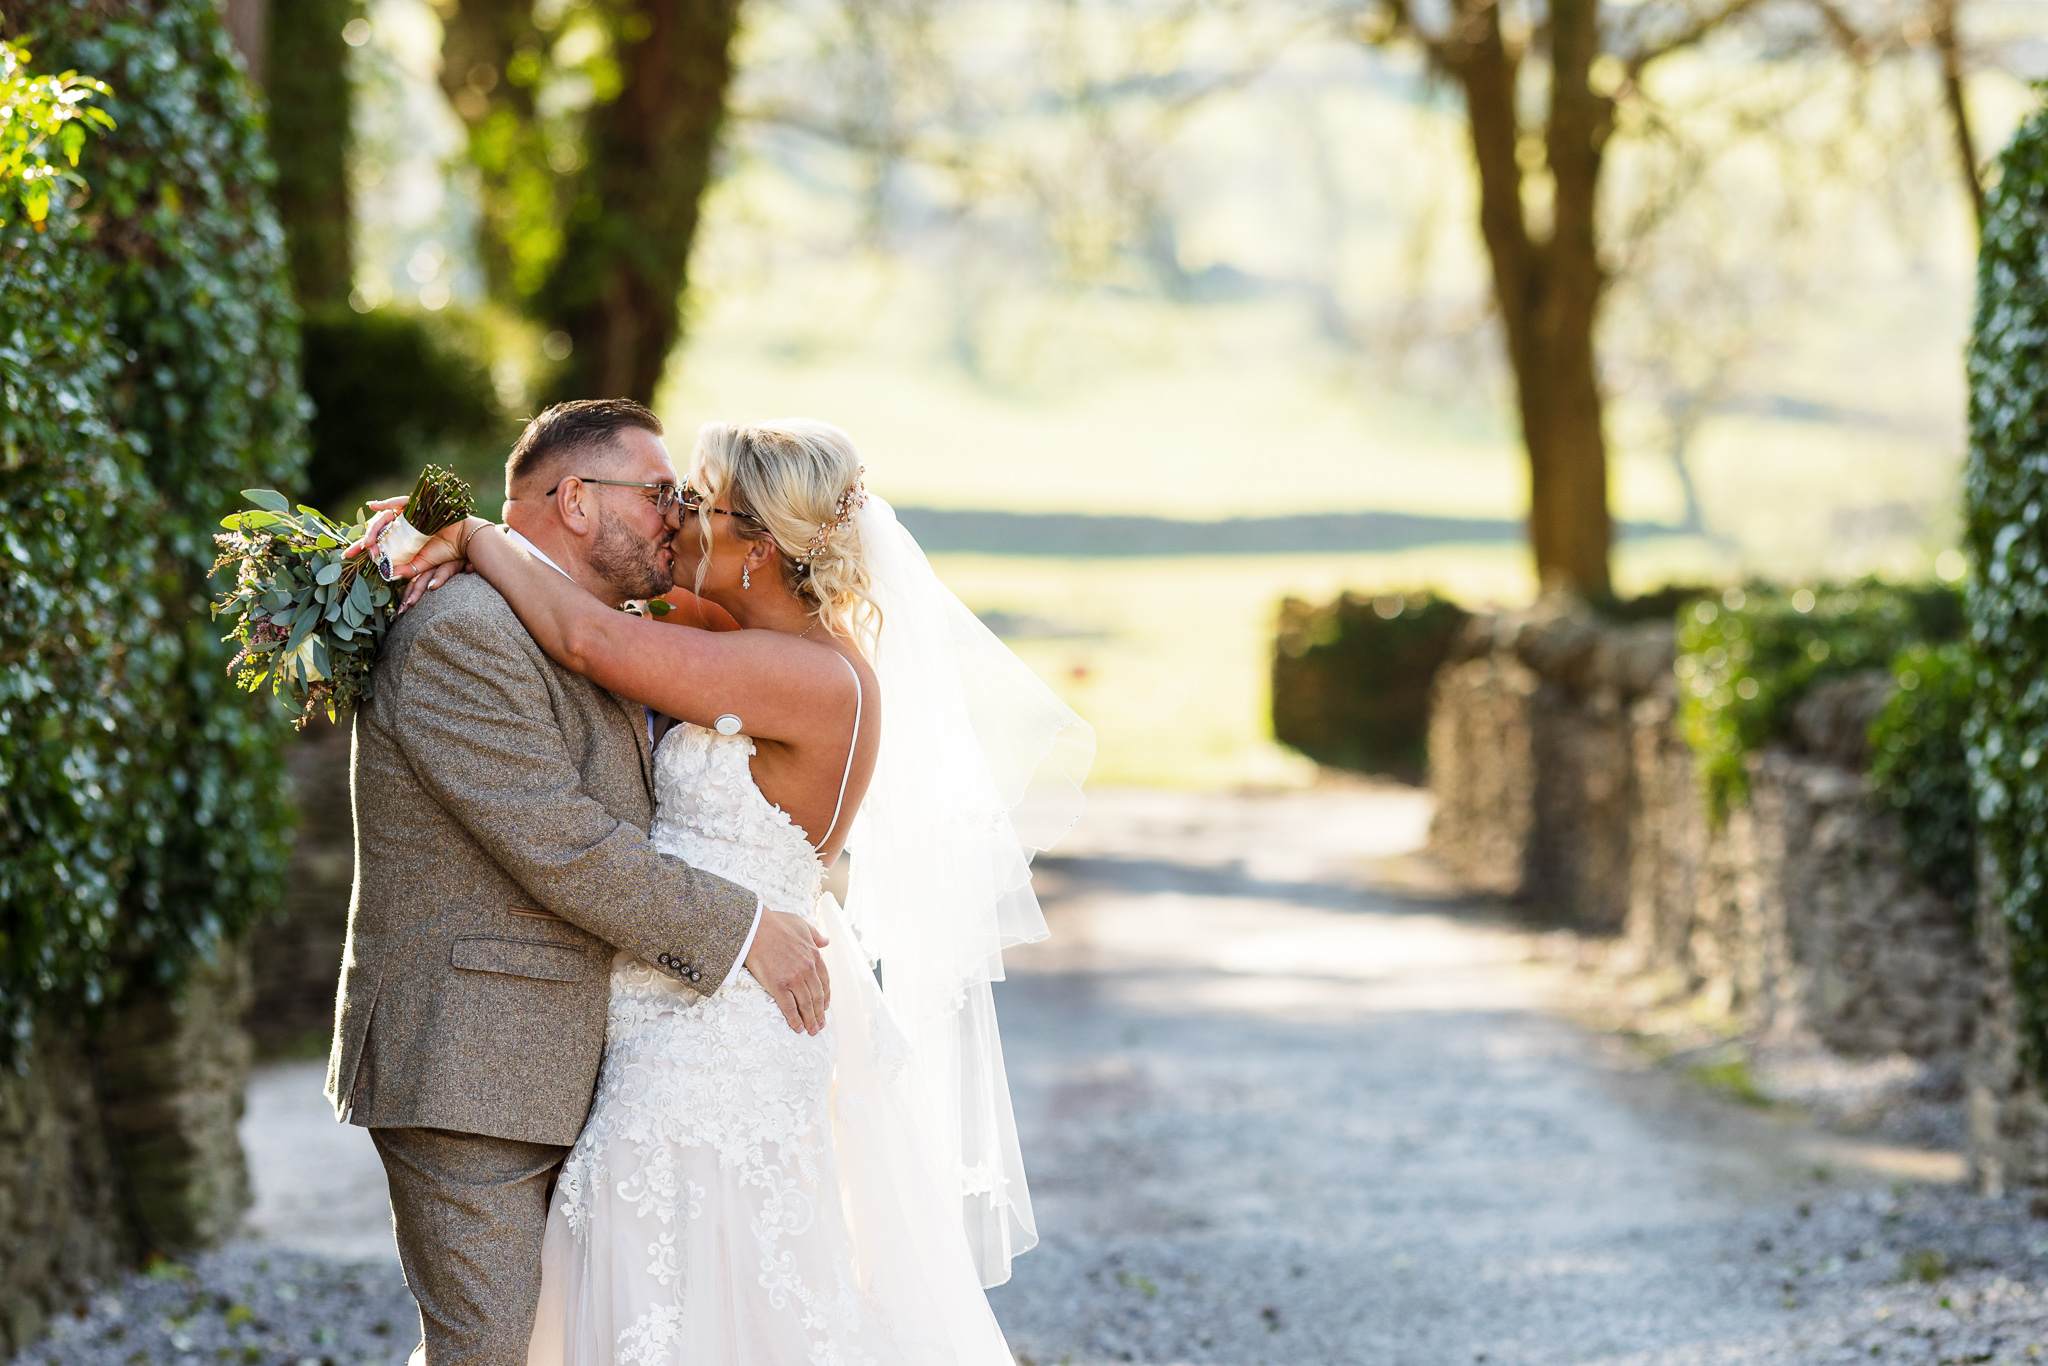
739,964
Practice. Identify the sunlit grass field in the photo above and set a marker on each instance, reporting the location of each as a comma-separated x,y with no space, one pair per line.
1168,658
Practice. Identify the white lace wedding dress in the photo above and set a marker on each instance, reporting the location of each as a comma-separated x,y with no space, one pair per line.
745,1195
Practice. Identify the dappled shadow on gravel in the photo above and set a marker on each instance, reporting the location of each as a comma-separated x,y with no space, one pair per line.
1276,1111
246,1304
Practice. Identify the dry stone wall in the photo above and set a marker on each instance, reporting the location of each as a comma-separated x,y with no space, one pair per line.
1562,781
1530,758
61,1219
121,1141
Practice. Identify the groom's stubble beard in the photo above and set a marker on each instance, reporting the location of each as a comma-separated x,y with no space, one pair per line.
631,563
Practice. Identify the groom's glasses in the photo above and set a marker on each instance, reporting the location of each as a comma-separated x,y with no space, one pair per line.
666,497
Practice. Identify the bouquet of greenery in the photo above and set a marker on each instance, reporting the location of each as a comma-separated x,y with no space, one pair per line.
308,620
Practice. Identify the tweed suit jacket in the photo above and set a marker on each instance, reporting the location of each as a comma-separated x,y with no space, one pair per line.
502,805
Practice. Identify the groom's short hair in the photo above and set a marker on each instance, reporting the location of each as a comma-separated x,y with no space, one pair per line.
582,427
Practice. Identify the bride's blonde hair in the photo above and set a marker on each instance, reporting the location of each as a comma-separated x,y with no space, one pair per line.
800,480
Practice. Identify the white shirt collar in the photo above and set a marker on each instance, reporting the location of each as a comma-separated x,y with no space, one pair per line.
538,553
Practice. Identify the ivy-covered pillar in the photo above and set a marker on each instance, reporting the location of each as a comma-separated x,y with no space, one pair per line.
2006,525
148,372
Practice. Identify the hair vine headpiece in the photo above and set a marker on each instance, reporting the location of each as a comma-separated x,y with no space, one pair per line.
850,502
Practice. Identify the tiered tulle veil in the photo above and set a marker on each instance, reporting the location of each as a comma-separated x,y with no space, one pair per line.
981,767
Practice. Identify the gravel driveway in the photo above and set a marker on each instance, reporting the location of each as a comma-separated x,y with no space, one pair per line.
1285,1101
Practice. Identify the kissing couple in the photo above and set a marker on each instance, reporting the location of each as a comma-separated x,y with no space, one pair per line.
639,1092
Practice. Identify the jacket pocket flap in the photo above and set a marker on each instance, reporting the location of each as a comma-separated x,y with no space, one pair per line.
521,958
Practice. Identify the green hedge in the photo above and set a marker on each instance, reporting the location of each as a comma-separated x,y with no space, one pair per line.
1351,678
2005,492
1746,659
76,623
392,392
151,372
1920,765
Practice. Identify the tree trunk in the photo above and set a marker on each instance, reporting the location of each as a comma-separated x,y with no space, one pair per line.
1942,26
617,288
600,253
1548,290
309,137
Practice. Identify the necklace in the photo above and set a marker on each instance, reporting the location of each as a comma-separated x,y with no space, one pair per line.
807,630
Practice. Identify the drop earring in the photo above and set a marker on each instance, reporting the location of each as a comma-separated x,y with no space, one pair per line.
746,577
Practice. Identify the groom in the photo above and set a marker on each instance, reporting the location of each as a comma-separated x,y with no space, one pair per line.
502,805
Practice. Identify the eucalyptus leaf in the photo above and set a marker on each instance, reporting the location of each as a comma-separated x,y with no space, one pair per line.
300,631
268,499
328,572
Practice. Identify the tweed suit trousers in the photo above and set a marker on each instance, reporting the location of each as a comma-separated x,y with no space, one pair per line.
470,1212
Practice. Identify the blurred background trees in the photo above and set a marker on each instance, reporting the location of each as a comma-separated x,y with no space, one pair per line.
1546,89
592,129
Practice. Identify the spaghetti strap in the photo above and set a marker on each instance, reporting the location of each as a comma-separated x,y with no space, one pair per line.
852,747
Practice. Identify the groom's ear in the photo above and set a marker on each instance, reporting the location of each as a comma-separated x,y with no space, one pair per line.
575,506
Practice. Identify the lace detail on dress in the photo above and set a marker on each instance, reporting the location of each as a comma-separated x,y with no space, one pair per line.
702,1090
744,1194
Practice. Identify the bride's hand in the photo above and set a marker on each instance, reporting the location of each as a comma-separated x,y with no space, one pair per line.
439,560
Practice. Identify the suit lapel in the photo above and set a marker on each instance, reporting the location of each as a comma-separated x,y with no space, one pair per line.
636,721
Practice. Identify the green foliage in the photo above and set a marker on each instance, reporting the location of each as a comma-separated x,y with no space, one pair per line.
1351,678
41,117
2005,491
77,621
389,392
307,621
151,371
1919,764
1733,1078
592,129
1746,660
525,82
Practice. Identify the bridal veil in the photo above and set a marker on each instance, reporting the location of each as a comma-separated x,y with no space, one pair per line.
980,768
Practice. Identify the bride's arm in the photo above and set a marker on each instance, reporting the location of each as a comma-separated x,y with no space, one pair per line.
781,688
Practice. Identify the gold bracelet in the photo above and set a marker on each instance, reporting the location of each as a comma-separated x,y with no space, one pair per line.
462,550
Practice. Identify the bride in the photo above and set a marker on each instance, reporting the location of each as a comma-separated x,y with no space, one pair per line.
744,1193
